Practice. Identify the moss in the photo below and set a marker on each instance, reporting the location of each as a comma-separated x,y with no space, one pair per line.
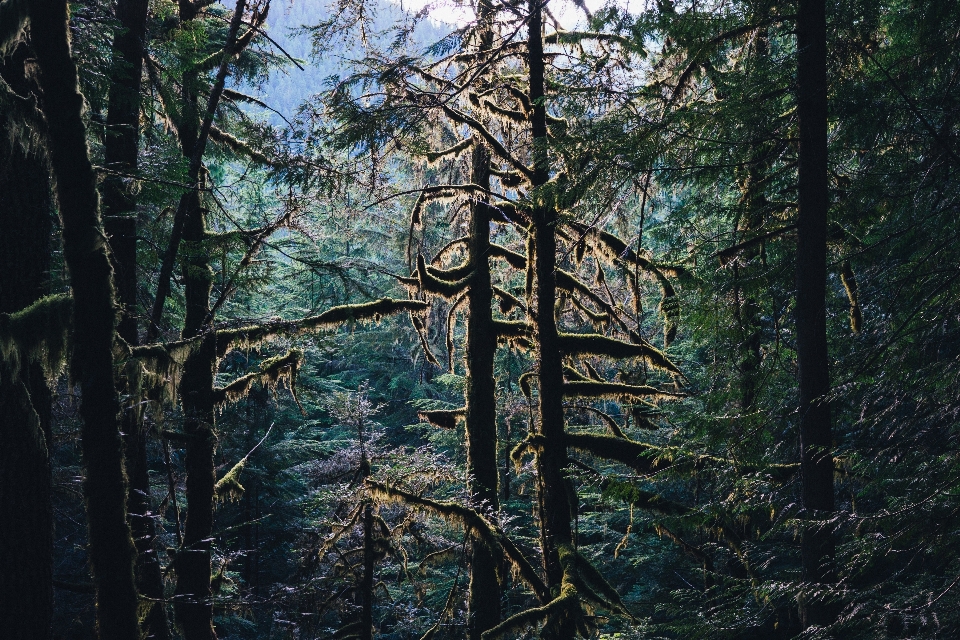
451,328
435,156
508,301
643,499
422,335
473,524
272,372
432,282
13,18
443,418
39,333
616,391
228,487
849,280
579,344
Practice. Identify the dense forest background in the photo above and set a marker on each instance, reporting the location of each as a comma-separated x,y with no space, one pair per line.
504,319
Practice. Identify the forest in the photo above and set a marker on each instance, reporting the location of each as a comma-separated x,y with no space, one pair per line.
479,319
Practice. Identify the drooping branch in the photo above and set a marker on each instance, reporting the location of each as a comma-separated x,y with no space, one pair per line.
580,344
474,523
272,372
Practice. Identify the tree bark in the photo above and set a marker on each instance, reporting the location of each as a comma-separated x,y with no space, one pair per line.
816,438
26,517
553,493
121,146
112,552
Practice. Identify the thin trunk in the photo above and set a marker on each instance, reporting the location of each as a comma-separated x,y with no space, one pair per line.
554,499
816,438
120,222
112,552
26,517
366,583
483,606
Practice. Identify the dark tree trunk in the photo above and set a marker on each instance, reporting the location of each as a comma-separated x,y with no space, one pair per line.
193,603
26,519
120,222
554,499
112,552
481,416
816,440
483,607
366,582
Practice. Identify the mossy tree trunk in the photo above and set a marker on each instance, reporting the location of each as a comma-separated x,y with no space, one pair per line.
483,608
121,145
553,498
112,552
26,518
816,437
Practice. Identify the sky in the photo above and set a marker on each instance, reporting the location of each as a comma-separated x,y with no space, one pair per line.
457,14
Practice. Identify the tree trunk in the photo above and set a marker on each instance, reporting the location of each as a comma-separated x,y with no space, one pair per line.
481,414
816,461
112,553
120,222
554,499
26,518
193,603
366,582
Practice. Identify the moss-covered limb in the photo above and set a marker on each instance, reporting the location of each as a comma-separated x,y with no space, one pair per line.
21,119
524,383
639,456
472,522
13,18
112,552
605,417
590,582
512,258
580,344
507,329
597,319
228,487
441,192
228,339
435,156
421,330
38,333
562,606
462,118
616,391
728,254
433,284
694,552
572,374
508,179
573,285
849,280
577,37
451,327
506,212
271,373
241,147
443,418
508,301
643,499
441,255
454,273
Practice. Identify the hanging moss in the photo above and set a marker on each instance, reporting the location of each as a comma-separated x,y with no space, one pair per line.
641,457
580,344
443,418
374,311
13,18
473,524
419,327
849,280
39,333
272,372
432,283
451,327
435,156
641,498
228,487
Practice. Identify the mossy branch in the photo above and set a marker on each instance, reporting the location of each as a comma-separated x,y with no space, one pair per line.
617,391
228,487
272,372
580,344
473,524
240,147
432,283
462,118
435,156
443,418
38,333
849,280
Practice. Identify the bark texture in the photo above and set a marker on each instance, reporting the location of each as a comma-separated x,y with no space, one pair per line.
112,552
121,144
816,438
26,519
